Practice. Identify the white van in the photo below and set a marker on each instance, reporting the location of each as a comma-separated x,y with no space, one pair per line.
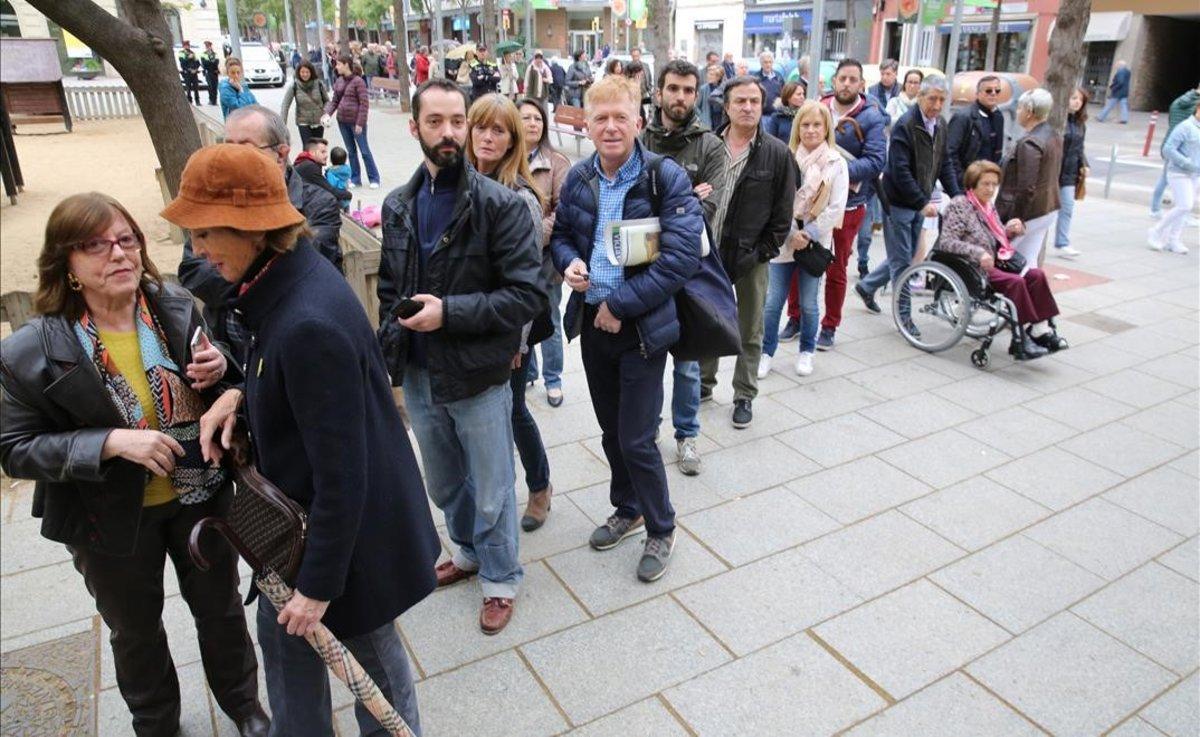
260,66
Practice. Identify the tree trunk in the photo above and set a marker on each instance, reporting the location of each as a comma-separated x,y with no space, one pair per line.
299,30
992,36
1066,56
401,33
487,23
658,22
140,49
851,30
344,26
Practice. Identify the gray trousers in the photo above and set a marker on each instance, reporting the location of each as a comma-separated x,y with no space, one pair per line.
298,680
751,290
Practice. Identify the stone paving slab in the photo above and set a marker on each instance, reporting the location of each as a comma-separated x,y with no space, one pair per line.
955,706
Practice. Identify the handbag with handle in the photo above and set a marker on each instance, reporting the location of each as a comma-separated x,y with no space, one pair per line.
265,525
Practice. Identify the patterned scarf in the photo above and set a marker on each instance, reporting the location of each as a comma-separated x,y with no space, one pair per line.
176,405
814,166
992,220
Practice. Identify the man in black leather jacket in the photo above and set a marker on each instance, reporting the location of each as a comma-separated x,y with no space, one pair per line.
263,128
977,131
460,249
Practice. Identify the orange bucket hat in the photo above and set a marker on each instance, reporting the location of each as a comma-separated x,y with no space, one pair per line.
229,185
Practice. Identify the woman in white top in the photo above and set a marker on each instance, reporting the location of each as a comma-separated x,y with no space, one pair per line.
823,178
899,105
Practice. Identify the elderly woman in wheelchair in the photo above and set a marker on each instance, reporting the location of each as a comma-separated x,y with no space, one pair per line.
975,283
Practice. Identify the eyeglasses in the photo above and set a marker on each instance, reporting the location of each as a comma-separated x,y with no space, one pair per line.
991,91
97,246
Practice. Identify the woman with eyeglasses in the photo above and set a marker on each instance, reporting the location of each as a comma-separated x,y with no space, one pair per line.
102,398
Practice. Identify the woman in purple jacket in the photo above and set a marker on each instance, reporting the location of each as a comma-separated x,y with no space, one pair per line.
351,105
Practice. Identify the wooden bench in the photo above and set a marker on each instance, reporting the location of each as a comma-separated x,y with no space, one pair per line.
388,88
571,121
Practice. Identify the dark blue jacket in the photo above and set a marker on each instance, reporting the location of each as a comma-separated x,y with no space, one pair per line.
779,124
647,294
862,135
881,95
916,161
1119,87
325,430
772,86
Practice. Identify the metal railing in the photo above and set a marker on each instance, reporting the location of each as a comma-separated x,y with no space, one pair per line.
101,101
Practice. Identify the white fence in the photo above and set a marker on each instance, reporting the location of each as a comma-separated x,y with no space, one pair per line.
101,101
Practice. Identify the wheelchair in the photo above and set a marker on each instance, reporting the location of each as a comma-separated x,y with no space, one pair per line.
937,301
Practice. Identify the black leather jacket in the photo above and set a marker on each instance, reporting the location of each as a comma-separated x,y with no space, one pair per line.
487,272
57,415
760,207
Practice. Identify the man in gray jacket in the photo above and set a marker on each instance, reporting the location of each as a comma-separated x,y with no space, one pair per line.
675,130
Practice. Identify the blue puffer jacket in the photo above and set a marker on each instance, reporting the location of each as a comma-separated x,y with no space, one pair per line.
647,294
862,136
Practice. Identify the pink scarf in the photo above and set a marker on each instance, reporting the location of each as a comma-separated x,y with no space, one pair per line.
813,168
992,219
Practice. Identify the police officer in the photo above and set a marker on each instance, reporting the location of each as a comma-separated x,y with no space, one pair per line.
189,69
212,70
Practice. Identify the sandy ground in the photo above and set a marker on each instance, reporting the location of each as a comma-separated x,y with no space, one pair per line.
111,156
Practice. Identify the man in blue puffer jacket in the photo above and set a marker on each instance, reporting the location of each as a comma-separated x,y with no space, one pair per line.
626,315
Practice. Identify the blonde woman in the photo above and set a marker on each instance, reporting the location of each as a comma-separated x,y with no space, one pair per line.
819,205
496,148
234,91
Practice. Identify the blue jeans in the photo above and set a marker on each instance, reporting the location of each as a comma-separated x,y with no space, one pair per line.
1160,188
467,451
1110,103
901,234
525,431
552,347
874,214
298,679
779,280
685,399
1066,209
356,142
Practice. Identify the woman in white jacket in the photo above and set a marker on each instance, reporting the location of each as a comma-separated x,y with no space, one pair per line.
819,205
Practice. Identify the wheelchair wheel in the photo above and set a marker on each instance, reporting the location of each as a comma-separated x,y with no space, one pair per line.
979,358
931,306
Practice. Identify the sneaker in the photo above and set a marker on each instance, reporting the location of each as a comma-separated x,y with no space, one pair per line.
655,557
790,331
1177,248
804,364
862,272
825,339
705,395
615,529
1068,252
1154,242
764,366
352,185
374,185
689,456
554,396
742,414
1156,214
867,298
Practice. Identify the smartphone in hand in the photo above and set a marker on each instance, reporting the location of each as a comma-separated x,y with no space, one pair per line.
407,308
195,344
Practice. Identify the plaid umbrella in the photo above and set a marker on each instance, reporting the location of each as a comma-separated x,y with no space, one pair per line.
338,658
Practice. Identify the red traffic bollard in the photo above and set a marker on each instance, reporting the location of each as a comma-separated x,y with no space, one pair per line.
1150,133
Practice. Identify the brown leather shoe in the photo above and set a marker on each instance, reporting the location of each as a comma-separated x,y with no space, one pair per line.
448,573
495,614
537,509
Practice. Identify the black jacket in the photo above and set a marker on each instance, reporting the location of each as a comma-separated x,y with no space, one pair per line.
57,415
324,428
967,138
915,162
211,63
1074,157
487,272
323,215
310,172
759,214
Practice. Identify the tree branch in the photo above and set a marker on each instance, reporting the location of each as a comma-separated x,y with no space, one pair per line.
93,25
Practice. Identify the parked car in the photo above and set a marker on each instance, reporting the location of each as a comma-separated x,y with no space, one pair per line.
261,66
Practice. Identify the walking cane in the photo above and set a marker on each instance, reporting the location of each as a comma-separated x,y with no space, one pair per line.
339,659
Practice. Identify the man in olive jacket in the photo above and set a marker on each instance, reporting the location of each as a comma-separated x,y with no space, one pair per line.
460,249
676,131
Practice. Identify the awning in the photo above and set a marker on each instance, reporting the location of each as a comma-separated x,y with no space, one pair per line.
1108,27
1011,26
771,21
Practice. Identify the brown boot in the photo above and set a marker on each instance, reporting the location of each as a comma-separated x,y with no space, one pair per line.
495,614
537,509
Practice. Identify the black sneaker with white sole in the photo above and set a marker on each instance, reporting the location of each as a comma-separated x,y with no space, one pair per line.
742,414
615,529
655,557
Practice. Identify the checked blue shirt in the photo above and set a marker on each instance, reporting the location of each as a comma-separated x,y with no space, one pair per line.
604,278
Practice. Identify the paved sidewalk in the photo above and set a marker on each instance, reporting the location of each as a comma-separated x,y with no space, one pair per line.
900,544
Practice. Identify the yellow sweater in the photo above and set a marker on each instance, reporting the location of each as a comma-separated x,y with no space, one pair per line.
127,355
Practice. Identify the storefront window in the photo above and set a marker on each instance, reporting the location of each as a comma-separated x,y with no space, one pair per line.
1011,50
9,27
